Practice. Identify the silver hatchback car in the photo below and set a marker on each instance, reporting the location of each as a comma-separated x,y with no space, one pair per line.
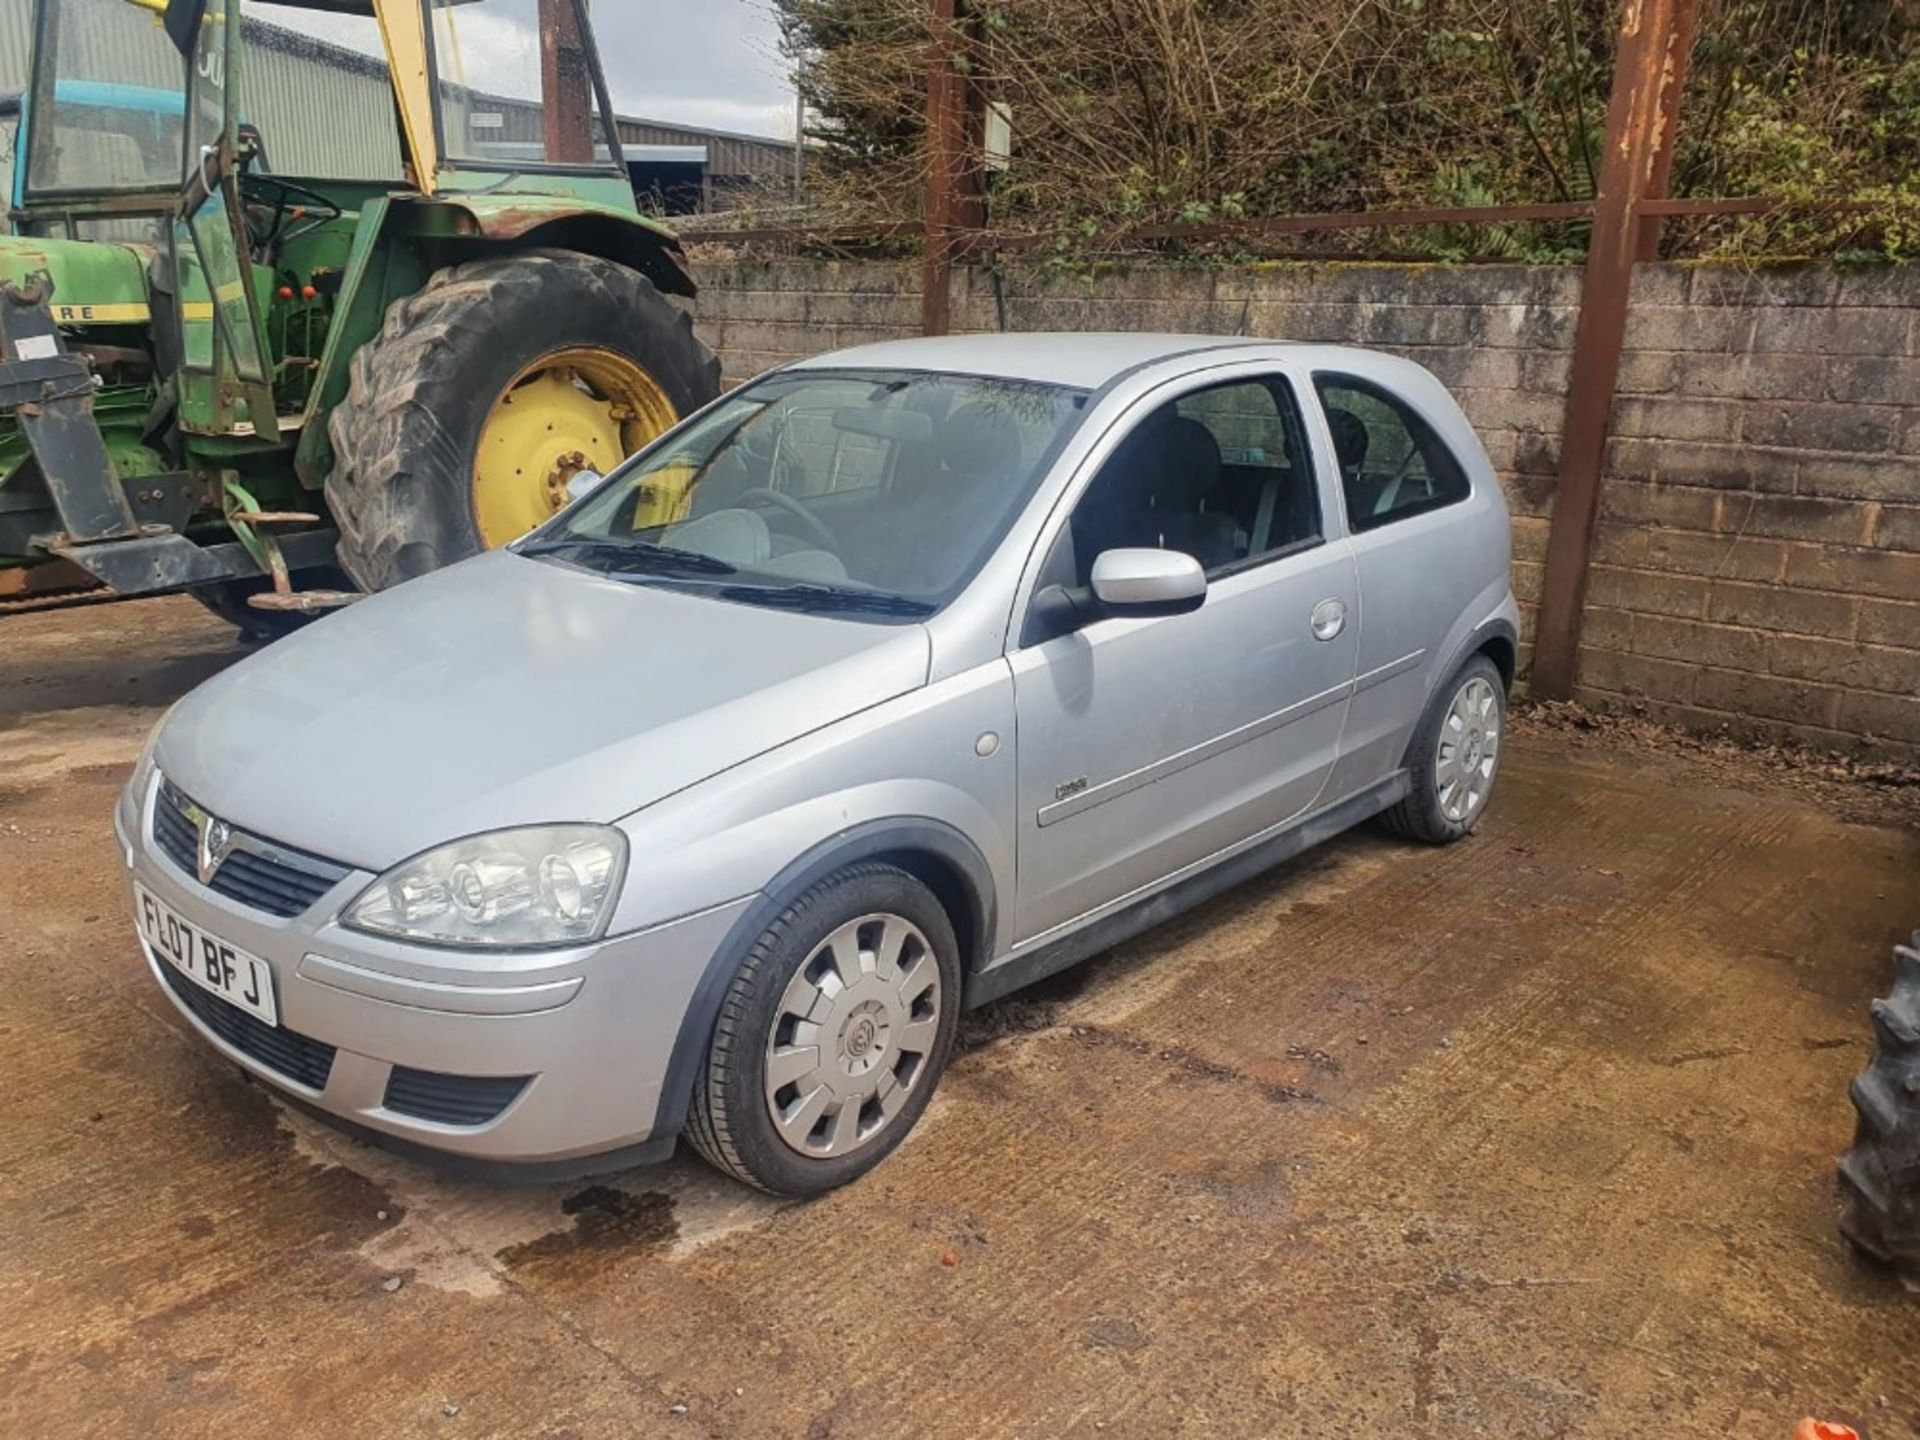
890,682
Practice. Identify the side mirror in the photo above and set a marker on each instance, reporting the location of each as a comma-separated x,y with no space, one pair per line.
1143,582
583,483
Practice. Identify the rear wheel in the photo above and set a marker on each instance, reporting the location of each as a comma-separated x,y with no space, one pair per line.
1455,757
1880,1174
487,391
832,1035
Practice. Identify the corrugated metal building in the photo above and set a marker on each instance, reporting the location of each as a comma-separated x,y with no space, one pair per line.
290,78
731,157
114,46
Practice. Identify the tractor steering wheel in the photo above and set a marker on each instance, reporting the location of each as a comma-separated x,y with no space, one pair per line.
786,504
284,191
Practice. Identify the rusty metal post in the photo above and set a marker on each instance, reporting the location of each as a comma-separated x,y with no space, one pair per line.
566,88
1643,67
946,145
1686,16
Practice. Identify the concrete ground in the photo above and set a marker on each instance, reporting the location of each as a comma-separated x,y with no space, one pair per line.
1531,1136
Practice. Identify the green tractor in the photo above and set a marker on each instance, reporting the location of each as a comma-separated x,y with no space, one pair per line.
282,336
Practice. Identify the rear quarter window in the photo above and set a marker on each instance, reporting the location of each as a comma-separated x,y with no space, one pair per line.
1393,465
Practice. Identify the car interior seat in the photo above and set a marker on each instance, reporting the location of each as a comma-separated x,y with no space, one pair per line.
933,516
979,445
1152,493
1188,458
1350,442
745,464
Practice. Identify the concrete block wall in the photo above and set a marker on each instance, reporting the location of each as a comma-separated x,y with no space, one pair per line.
1758,560
1757,566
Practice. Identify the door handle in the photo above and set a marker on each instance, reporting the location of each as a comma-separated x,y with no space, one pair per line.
1329,619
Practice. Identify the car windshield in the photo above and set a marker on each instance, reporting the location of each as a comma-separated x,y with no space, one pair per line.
871,493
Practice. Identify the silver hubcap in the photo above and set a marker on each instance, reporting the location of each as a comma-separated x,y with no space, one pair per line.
1469,751
851,1039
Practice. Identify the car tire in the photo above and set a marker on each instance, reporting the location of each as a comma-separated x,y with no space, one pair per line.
1469,712
874,947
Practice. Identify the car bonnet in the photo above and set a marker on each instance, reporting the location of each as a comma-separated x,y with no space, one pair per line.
507,691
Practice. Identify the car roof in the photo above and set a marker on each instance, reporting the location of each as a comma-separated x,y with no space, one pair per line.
1077,358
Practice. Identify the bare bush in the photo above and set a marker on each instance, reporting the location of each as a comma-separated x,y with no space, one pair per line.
1155,112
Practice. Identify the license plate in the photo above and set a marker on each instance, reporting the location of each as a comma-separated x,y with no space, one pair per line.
207,960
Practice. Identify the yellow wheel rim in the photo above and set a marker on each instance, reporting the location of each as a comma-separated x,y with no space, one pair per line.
577,409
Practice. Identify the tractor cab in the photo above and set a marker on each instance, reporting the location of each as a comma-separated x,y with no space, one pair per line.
501,96
240,194
100,122
108,128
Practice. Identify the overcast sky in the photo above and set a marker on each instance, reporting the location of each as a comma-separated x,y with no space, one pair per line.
700,62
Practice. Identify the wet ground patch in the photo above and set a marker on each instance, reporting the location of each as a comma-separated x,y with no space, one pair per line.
607,1223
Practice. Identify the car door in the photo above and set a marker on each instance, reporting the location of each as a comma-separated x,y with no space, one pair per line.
1416,544
1147,745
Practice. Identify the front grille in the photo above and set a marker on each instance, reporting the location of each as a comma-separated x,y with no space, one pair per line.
451,1099
256,872
284,1051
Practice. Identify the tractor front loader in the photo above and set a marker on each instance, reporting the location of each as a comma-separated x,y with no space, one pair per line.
280,336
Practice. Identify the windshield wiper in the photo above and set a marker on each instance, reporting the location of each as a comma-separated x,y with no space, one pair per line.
607,555
826,600
630,557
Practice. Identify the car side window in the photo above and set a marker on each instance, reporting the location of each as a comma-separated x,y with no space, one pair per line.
1221,474
1392,464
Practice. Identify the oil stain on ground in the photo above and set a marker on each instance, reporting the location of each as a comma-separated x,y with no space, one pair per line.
606,1222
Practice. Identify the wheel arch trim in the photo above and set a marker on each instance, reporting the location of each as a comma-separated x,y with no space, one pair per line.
897,839
1493,628
1502,633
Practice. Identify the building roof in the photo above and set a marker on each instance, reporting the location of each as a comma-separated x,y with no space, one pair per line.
654,122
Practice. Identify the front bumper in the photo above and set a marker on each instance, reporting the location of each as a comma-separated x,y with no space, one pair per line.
588,1030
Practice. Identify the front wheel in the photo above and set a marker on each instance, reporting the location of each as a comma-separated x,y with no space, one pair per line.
1455,757
832,1035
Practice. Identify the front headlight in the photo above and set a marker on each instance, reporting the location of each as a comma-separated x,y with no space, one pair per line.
542,885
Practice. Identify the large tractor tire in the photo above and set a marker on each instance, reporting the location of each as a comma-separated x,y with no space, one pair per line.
1880,1175
487,391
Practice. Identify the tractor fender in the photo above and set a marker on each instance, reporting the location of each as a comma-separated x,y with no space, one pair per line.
382,268
560,222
